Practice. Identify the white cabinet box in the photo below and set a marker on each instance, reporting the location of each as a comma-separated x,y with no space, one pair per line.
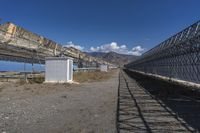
104,68
58,69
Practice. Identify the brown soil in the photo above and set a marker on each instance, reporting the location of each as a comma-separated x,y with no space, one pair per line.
52,108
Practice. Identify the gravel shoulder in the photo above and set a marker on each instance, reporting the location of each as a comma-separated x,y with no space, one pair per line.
59,108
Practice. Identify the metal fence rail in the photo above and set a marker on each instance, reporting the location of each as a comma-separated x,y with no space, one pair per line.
86,69
178,57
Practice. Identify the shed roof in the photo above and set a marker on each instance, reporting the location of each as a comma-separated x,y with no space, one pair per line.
58,58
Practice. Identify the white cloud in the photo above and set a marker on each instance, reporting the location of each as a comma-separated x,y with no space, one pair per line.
137,50
122,49
113,46
71,44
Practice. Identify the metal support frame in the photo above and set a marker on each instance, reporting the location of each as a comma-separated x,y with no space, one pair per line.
20,47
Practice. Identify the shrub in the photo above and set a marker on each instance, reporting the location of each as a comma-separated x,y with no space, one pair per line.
37,79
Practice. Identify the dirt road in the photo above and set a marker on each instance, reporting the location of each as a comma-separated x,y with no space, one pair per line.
84,108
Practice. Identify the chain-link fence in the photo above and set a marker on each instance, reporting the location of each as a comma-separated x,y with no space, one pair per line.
177,57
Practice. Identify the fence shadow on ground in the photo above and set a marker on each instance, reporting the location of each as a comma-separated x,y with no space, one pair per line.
127,112
185,102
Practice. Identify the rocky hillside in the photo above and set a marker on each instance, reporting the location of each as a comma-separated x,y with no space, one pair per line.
115,58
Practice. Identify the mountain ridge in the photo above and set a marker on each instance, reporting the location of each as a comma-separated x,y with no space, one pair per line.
113,57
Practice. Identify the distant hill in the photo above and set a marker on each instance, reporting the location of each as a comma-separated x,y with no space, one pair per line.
115,58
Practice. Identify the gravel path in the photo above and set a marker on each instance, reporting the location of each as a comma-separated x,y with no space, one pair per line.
89,107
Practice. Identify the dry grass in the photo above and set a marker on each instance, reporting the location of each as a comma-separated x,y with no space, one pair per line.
37,79
92,76
78,77
1,88
21,82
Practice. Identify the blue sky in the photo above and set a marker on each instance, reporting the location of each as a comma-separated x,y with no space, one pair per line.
125,26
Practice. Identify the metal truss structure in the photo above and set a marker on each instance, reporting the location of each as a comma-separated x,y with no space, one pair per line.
178,57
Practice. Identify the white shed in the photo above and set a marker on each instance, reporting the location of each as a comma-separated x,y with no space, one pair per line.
58,69
104,68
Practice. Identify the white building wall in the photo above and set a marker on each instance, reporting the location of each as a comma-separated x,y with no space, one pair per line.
58,70
104,68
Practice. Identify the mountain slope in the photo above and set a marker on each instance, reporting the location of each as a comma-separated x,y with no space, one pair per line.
115,58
